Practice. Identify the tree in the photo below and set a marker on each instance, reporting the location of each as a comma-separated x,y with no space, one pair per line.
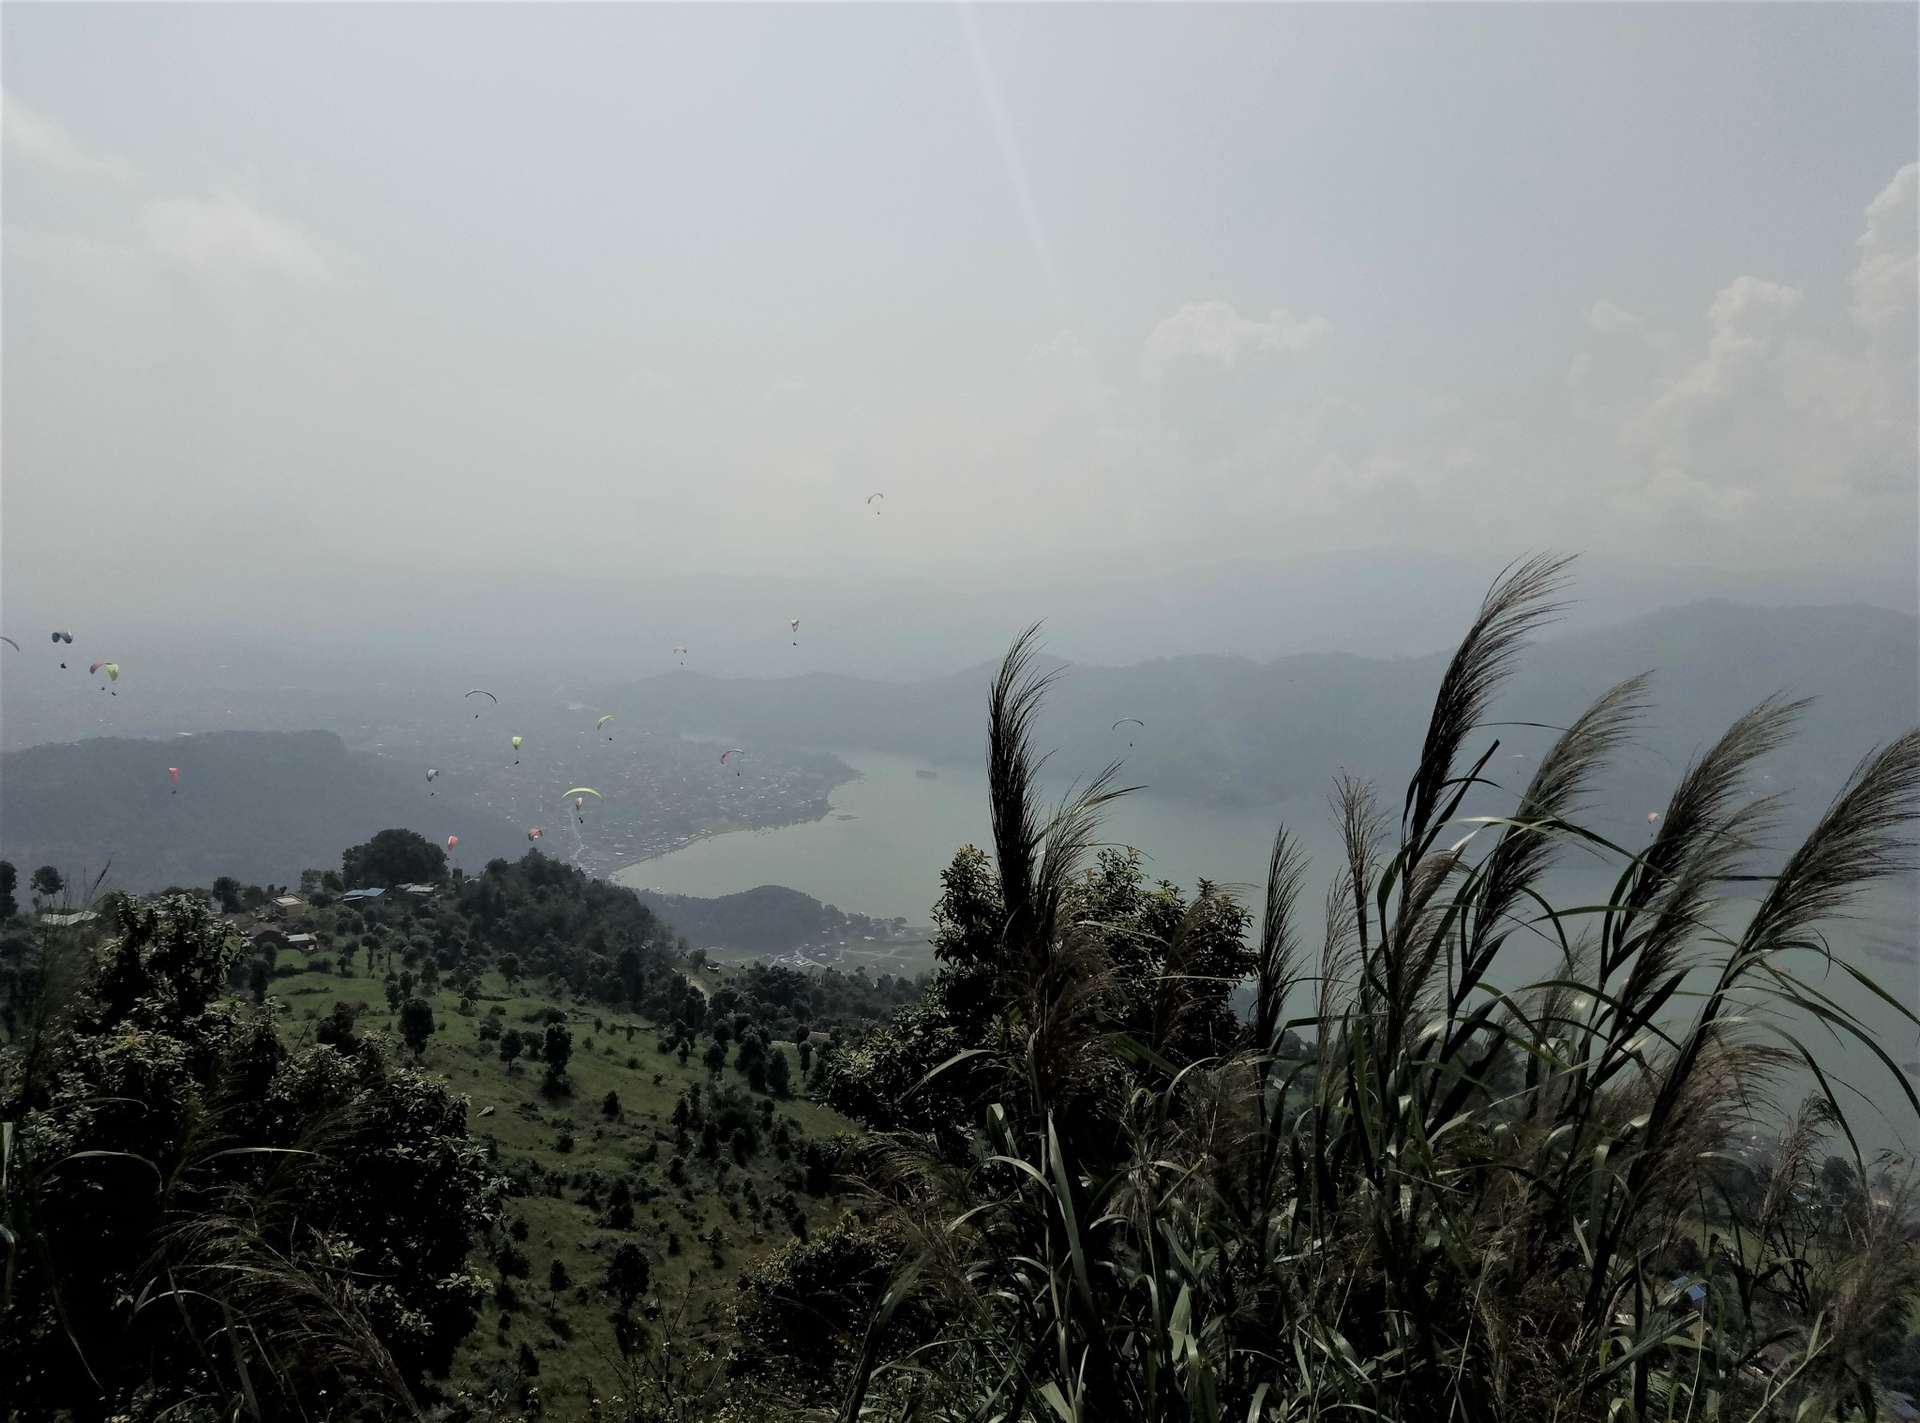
512,1044
153,1051
9,906
527,1363
510,970
337,1027
677,1170
395,994
47,882
610,1106
806,1055
416,1024
627,1276
715,1057
558,1280
686,1047
393,857
620,1206
226,893
709,1139
779,1075
746,1141
556,1047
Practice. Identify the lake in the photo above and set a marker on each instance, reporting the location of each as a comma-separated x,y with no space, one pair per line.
891,831
881,848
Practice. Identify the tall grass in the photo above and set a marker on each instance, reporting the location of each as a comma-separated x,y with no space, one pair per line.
1420,1188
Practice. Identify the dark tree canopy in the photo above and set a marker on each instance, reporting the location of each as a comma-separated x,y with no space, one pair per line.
393,857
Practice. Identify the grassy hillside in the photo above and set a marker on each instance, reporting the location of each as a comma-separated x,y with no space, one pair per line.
570,1332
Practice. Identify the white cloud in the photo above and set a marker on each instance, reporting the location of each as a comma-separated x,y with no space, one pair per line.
227,234
1888,274
1610,320
1214,331
37,139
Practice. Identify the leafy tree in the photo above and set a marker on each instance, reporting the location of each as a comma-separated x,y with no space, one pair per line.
677,1170
556,1047
9,906
715,1056
416,1024
620,1206
686,1047
226,893
510,970
393,857
745,1142
805,1049
378,1224
610,1105
395,994
336,1029
627,1276
779,1075
709,1139
527,1362
47,882
557,1278
512,1044
488,1030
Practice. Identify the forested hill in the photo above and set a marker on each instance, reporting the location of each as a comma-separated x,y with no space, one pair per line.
770,919
1236,731
260,806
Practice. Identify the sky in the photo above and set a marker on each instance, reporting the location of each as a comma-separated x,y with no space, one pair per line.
346,320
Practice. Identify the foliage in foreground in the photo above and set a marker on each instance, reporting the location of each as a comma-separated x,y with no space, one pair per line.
201,1220
1458,1198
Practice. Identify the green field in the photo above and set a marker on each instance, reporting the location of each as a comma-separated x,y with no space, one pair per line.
571,1334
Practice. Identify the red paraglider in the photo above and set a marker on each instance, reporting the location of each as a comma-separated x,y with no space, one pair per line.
173,774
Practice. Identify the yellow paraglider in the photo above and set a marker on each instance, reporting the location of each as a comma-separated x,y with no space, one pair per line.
516,746
602,722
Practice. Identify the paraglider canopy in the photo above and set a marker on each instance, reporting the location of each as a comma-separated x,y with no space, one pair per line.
1653,816
516,742
431,773
583,791
1128,721
535,833
483,692
872,497
63,637
452,840
173,773
731,751
10,643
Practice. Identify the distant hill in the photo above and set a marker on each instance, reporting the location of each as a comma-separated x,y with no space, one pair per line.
1236,731
260,806
770,919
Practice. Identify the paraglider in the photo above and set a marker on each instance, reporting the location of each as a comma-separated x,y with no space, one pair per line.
432,775
173,774
680,651
483,692
731,751
516,746
580,794
112,669
881,497
535,833
452,840
602,722
1653,817
1129,721
794,624
10,643
63,637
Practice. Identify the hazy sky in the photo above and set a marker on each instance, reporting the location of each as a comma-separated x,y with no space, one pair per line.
297,296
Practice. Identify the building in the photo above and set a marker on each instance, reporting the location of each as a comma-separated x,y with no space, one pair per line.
354,896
